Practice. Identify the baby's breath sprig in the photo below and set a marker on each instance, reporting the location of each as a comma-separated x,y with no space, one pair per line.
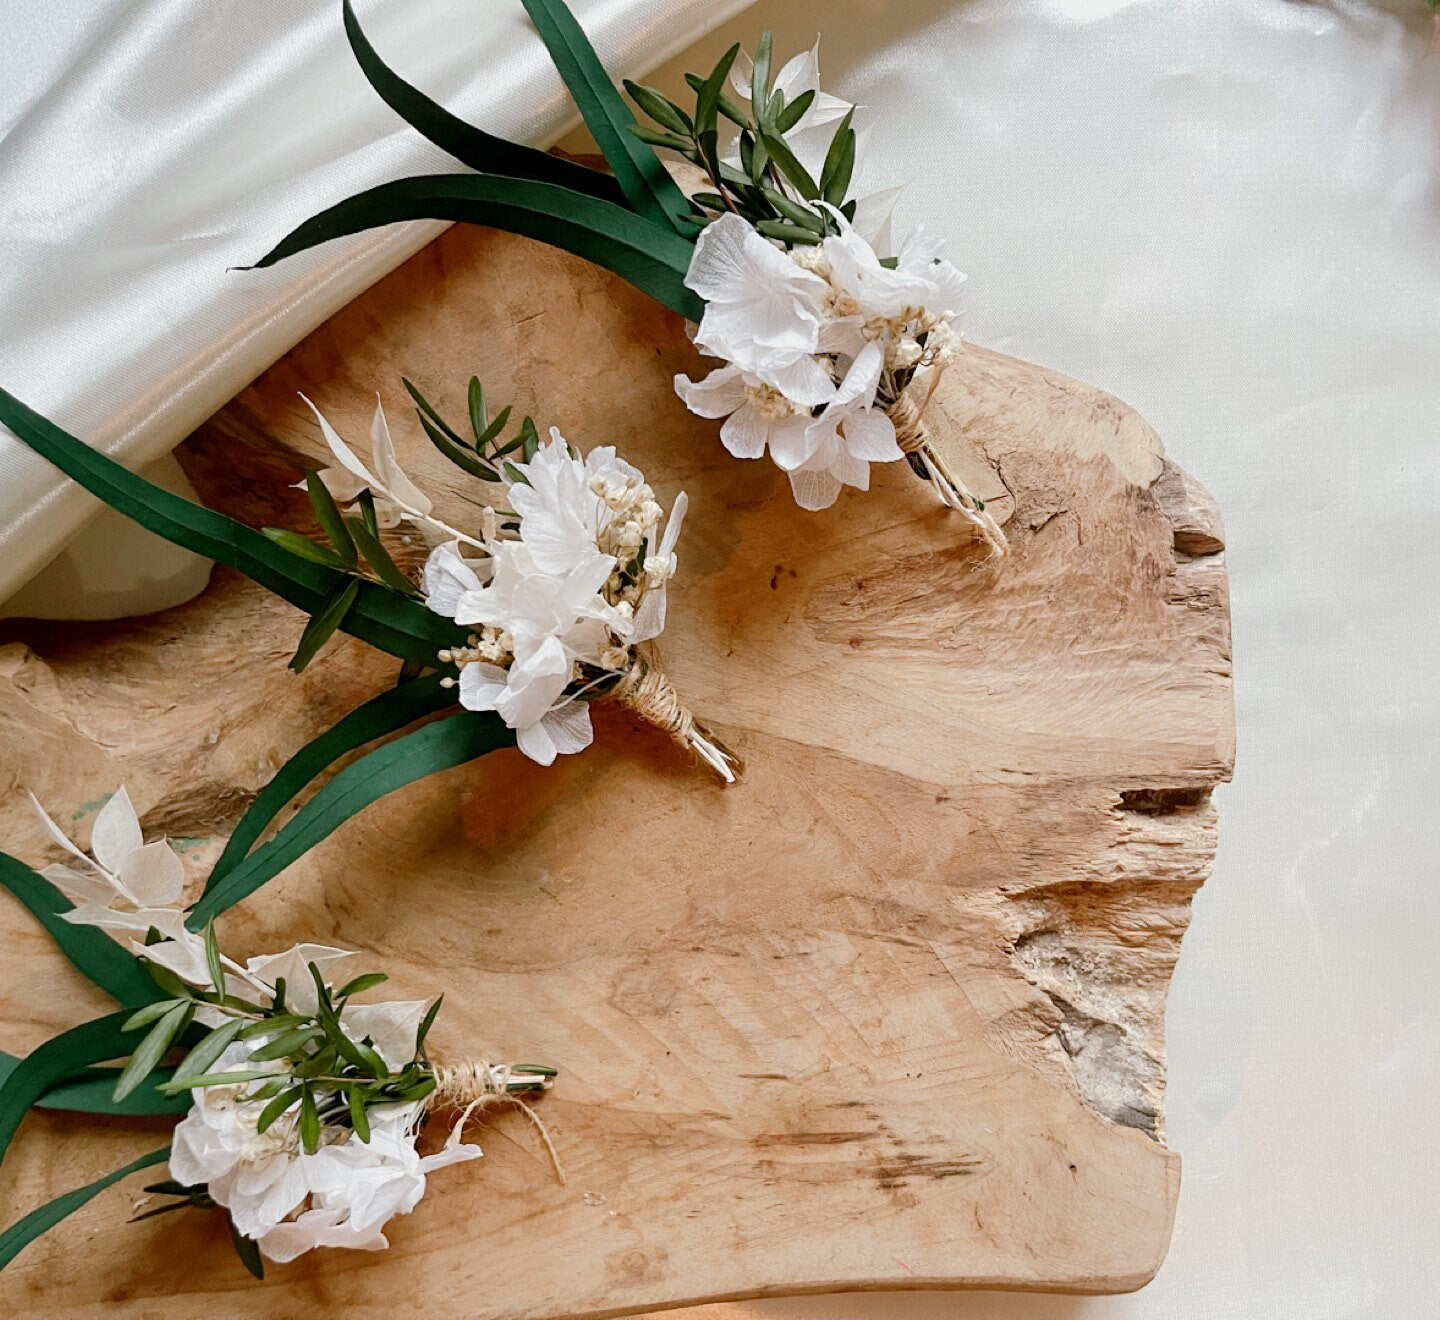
770,187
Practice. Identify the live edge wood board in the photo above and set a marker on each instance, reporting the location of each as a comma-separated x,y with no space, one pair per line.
887,1015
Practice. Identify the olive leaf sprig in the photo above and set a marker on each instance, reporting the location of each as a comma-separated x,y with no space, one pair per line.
772,189
312,1064
353,544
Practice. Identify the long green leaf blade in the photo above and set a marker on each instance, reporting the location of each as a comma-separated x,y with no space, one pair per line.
652,258
24,1231
92,1091
472,146
415,755
324,622
391,623
95,955
644,180
55,1061
379,717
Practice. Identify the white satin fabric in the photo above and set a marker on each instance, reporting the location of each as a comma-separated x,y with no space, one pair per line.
1228,213
148,146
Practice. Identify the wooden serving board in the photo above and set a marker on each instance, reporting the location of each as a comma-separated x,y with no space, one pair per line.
887,1014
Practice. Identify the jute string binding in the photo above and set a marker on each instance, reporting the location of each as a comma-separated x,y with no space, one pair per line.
644,688
911,436
475,1086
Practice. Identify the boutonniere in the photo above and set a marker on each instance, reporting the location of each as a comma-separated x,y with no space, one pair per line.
831,345
561,587
553,601
301,1103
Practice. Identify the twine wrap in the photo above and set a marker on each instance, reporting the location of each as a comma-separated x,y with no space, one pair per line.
476,1085
644,688
914,442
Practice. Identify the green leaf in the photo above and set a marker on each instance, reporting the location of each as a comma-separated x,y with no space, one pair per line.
789,165
724,104
530,439
327,514
24,1231
378,557
276,1107
212,959
286,1044
94,954
361,984
660,108
787,233
839,162
152,1049
480,150
271,1026
304,547
668,141
426,1023
326,620
479,413
399,626
794,211
426,410
794,112
706,107
492,431
653,258
92,1091
461,455
358,1117
647,186
234,1077
249,1252
424,751
143,1017
760,75
377,718
309,1121
207,1051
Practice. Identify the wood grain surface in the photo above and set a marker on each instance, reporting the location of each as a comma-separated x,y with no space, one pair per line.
887,1014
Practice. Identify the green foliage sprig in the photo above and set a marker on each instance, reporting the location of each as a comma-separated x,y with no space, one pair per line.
771,189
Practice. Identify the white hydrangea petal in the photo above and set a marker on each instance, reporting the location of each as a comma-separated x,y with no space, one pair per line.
874,214
391,1026
861,380
794,441
673,524
482,685
446,578
343,486
849,470
569,728
58,835
534,741
116,833
719,394
152,875
183,955
81,886
870,435
814,490
387,466
746,332
293,967
746,432
803,381
344,455
649,620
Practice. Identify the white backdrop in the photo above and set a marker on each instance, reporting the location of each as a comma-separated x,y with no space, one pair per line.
1225,211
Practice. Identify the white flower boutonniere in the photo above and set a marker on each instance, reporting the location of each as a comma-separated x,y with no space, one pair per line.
564,588
306,1105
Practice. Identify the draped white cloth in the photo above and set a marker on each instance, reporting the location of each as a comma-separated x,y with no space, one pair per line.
148,146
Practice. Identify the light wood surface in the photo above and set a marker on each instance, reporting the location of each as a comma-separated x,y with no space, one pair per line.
887,1014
